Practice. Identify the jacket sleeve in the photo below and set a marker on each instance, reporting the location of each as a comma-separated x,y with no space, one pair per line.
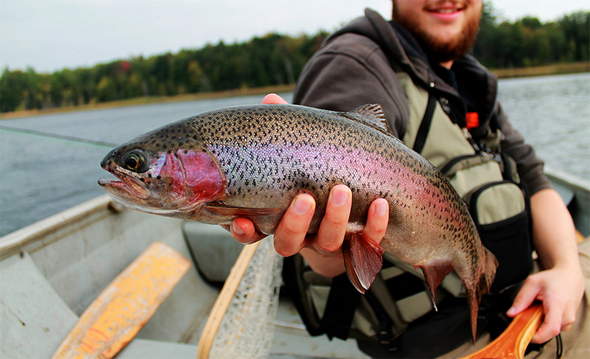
345,75
529,166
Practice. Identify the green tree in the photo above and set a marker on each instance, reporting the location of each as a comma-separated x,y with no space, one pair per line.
106,89
576,28
11,90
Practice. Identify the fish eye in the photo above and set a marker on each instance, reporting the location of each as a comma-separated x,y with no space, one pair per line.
135,161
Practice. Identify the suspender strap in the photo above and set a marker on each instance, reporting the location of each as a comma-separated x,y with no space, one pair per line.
425,124
340,308
295,286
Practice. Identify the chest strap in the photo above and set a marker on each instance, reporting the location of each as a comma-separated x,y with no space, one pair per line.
425,124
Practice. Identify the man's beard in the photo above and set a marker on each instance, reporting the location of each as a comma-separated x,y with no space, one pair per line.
441,51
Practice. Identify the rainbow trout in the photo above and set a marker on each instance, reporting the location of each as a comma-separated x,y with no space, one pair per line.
251,162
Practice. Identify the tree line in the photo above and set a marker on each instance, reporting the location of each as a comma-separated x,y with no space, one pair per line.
273,59
529,42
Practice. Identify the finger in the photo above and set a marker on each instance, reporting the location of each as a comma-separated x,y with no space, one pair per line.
525,297
551,325
243,231
290,234
569,318
333,226
558,318
377,220
273,99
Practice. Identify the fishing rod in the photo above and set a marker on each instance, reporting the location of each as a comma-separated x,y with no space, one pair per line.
58,136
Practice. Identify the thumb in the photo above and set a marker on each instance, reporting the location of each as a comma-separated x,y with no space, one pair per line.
273,99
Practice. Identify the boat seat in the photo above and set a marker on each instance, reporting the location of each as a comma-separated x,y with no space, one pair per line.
213,249
33,317
120,311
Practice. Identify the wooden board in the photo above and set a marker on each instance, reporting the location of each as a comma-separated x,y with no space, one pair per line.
126,305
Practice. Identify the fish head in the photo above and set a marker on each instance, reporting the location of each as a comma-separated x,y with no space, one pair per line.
170,174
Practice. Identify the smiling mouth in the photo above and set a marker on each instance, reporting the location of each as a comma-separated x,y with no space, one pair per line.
446,8
445,11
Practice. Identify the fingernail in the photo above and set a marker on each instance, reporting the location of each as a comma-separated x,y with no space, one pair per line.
511,311
236,230
381,208
339,197
302,206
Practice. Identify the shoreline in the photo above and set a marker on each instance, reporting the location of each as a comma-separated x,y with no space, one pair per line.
547,70
151,100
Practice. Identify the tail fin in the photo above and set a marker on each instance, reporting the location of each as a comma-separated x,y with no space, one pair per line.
473,301
474,293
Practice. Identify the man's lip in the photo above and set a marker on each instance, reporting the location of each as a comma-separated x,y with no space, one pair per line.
448,15
446,10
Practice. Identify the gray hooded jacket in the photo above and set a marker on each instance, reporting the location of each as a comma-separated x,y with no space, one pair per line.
357,65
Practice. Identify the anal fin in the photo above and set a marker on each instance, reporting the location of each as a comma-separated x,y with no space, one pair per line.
362,260
434,273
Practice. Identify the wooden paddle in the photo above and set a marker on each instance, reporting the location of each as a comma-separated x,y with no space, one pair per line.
125,306
224,299
513,341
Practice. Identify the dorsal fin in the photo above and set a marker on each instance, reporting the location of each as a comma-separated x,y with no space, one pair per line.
371,111
373,115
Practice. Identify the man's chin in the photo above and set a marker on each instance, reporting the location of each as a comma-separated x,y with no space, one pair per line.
443,42
442,53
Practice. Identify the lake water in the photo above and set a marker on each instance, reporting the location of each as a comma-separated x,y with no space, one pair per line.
41,176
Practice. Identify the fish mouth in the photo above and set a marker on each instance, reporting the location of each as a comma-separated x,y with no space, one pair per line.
124,186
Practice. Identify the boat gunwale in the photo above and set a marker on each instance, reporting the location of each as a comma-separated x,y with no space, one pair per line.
14,242
570,180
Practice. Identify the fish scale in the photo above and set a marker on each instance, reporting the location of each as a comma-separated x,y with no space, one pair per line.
252,161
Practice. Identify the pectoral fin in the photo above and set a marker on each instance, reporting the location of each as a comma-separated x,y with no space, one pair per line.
232,211
362,260
434,273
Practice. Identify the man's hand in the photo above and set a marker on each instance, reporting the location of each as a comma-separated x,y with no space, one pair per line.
561,285
558,290
323,250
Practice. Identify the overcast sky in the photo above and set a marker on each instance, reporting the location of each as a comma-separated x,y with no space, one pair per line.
53,34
